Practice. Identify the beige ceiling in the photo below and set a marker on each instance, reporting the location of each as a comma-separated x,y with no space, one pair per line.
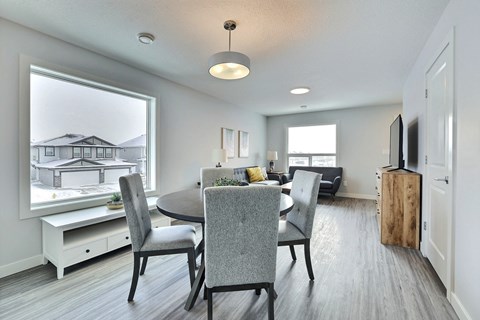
351,53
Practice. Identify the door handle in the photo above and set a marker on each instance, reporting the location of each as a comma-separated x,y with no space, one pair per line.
442,179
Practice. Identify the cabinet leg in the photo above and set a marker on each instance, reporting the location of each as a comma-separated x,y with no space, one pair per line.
59,273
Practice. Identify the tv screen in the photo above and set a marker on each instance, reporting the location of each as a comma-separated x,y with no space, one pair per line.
396,143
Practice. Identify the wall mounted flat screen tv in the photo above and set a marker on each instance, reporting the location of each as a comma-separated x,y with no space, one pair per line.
396,143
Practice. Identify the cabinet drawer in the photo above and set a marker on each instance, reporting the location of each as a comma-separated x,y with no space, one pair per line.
119,240
85,251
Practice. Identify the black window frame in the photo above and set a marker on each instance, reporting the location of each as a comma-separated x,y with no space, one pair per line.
87,155
103,152
79,153
50,148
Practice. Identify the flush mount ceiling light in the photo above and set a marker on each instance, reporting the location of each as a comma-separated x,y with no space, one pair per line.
145,38
229,65
301,90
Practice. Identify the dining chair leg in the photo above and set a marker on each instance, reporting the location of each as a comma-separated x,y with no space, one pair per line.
203,236
136,267
210,304
271,299
205,292
308,261
258,291
144,265
292,252
191,265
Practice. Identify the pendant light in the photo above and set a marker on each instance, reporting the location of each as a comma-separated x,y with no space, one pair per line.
229,65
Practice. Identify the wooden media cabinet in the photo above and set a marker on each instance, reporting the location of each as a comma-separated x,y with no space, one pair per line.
398,207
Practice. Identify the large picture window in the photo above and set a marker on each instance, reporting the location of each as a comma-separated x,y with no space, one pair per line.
314,146
69,118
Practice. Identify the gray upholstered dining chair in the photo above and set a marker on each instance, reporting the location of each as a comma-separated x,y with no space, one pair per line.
148,241
209,175
241,232
297,229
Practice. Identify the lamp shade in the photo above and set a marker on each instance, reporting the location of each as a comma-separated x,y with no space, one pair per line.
272,155
219,155
229,65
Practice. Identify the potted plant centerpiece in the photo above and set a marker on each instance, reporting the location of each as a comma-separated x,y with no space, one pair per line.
115,201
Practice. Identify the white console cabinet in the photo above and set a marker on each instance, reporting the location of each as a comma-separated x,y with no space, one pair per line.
72,237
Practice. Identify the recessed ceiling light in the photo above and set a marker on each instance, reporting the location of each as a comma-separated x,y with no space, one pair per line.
145,38
301,90
303,106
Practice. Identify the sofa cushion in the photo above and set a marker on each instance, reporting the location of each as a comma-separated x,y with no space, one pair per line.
255,174
242,175
264,173
267,183
326,184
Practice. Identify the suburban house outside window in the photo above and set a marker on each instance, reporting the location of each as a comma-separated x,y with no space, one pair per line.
77,152
78,131
314,146
49,151
87,152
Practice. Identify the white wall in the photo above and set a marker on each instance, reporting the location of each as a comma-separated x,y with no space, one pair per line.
363,135
464,16
189,129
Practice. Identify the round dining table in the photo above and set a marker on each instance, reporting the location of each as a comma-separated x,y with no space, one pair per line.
187,205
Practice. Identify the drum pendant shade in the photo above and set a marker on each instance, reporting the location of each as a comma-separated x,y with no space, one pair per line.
229,65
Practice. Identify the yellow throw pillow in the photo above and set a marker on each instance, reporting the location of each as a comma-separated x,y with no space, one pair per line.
255,174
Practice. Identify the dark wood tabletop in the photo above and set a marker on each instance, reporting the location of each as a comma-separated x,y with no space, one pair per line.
187,205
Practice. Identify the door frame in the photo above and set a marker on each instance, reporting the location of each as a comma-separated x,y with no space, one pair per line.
447,44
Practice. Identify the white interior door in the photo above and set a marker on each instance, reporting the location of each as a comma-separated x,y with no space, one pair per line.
439,84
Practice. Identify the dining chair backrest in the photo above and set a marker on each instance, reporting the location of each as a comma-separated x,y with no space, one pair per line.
209,175
136,209
304,192
241,234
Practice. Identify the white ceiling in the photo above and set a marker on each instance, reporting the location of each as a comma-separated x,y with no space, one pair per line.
351,53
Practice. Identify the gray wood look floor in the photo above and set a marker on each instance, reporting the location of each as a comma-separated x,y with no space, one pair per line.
355,278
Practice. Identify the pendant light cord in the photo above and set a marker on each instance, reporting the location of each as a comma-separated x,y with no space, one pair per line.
229,39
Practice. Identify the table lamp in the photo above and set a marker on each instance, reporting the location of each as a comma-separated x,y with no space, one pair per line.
272,155
219,156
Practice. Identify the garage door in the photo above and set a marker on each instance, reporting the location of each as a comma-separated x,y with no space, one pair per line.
79,178
112,175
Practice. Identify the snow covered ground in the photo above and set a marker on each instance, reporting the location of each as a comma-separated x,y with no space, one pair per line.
42,193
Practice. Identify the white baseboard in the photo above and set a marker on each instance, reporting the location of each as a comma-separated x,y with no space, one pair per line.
459,308
356,195
21,265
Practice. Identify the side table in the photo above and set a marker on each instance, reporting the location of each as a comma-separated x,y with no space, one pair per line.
287,187
275,175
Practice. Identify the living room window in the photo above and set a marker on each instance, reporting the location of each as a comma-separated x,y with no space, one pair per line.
65,111
314,146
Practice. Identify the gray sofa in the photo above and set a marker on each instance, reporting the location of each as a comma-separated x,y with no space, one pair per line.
242,175
331,177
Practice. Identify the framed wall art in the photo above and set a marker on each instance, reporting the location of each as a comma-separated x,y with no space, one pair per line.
243,144
228,142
